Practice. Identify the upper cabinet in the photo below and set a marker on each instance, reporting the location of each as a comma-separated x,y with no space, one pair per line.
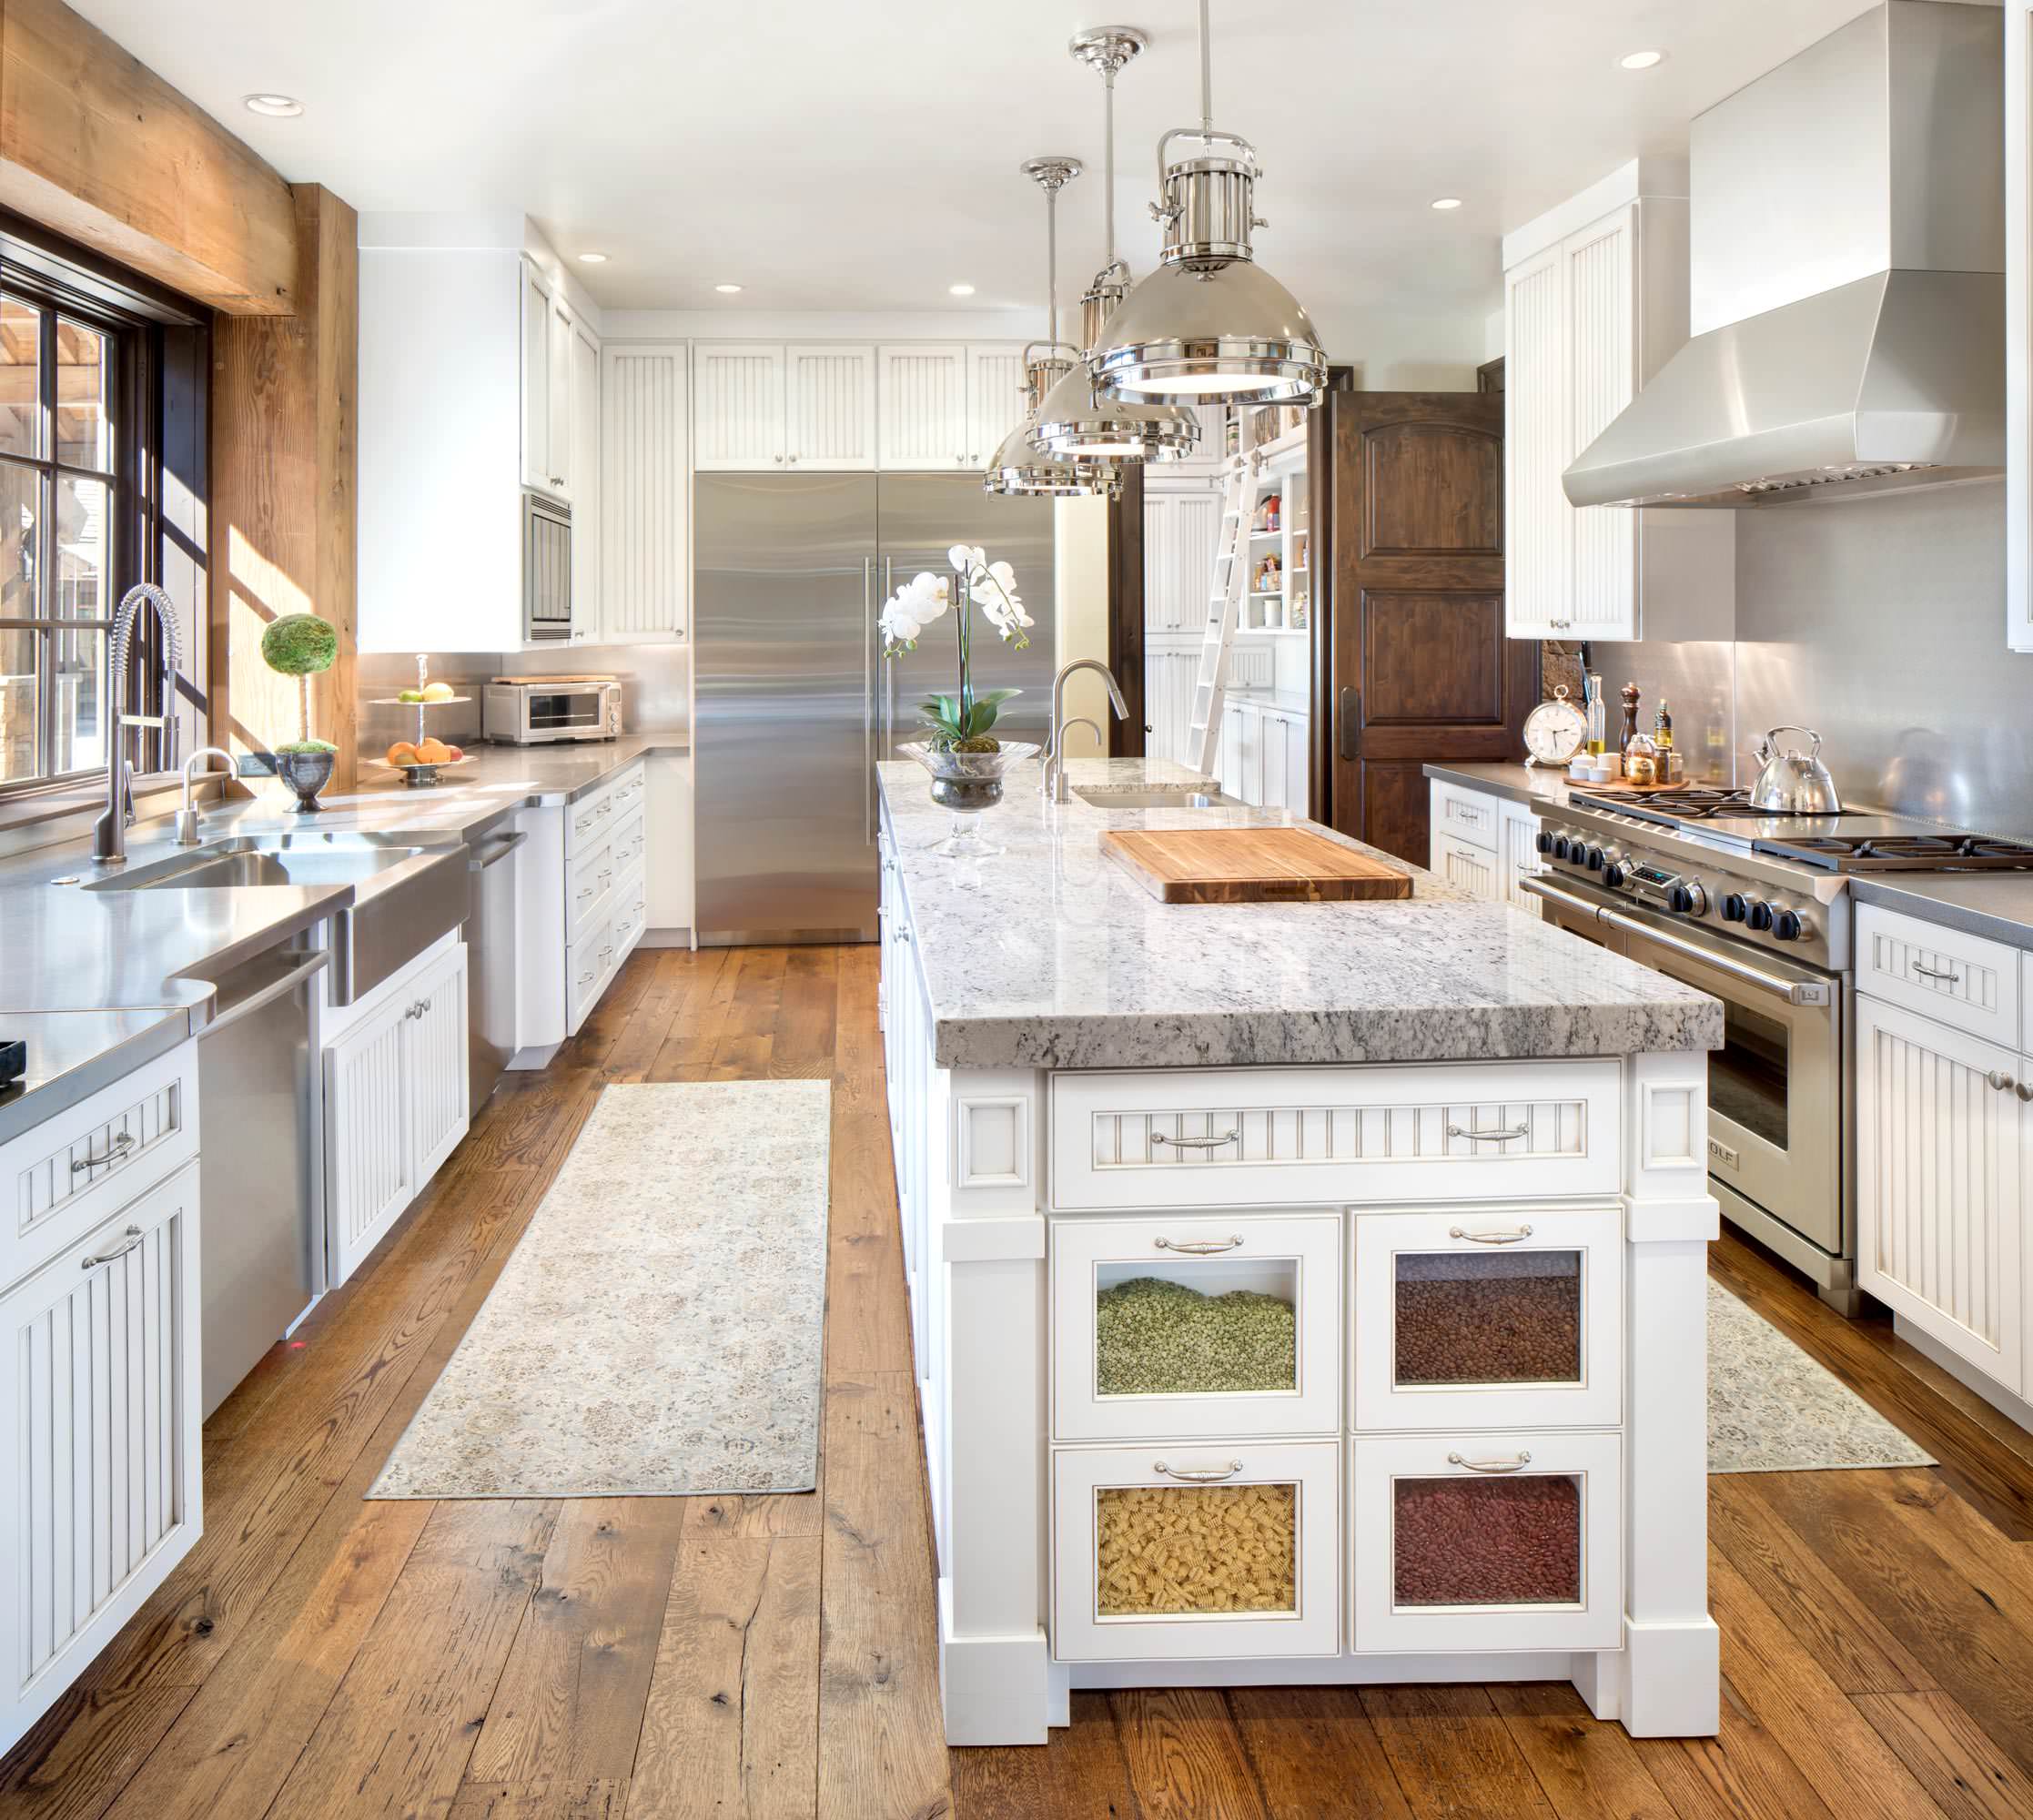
2019,330
996,397
1595,300
739,422
645,495
1182,531
925,407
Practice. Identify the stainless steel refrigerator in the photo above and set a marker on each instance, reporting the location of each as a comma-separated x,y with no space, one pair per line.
793,702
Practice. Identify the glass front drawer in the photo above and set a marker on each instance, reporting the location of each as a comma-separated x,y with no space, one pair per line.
1196,1551
1196,1327
1487,1542
1492,1317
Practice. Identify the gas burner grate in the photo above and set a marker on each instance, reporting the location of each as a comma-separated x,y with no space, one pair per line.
1910,853
1696,803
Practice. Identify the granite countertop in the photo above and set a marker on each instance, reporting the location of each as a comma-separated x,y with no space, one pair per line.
1998,906
1051,955
68,954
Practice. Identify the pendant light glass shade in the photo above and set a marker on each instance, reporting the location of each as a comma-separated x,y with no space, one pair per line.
1209,322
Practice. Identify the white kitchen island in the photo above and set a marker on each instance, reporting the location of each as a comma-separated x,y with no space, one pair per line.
1299,1293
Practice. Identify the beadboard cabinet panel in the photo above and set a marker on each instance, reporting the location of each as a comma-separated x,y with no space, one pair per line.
923,404
1601,380
645,558
994,397
739,419
536,379
587,532
1538,549
830,406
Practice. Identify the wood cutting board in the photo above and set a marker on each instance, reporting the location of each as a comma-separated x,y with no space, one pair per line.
1250,865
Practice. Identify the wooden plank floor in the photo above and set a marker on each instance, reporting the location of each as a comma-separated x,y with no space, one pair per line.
617,1658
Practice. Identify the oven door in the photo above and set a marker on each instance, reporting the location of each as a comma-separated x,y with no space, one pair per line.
1774,1087
565,713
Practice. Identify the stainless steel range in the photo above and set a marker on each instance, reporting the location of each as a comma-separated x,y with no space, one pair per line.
1754,909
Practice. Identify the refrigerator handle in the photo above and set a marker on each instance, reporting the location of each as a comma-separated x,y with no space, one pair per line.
868,699
889,687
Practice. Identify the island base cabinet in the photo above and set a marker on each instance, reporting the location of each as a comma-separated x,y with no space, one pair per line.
99,1440
1205,1549
1472,1543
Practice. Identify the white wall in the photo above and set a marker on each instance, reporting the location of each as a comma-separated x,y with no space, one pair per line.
1080,535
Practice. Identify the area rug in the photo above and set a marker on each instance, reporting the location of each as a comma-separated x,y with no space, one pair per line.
657,1331
1772,1409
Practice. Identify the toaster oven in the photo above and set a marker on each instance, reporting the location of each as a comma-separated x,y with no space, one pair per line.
545,710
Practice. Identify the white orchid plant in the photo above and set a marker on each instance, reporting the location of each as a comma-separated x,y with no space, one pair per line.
960,721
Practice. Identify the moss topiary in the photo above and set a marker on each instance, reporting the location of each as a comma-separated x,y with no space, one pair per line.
297,747
299,644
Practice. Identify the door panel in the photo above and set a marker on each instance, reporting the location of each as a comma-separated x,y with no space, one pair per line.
830,408
923,408
1413,513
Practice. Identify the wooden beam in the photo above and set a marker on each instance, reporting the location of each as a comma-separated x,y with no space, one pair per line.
285,469
97,147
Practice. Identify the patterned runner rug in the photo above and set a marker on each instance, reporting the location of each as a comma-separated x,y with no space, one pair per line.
658,1328
1772,1409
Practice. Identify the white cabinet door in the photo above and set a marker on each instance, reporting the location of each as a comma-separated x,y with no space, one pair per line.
669,854
369,1159
558,363
536,380
1538,538
1299,770
646,495
738,412
1237,738
1602,380
925,407
1161,615
588,615
2019,340
1273,765
1157,706
435,1063
830,408
1518,848
1939,1188
996,383
1182,531
1474,870
99,1440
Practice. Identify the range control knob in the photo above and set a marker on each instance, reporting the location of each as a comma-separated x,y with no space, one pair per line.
1736,907
1563,847
1595,859
1788,925
1613,875
1761,916
1688,900
1545,841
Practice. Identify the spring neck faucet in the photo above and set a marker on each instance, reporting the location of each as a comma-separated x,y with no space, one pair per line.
109,832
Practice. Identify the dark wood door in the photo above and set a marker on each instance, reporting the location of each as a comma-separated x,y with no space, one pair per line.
1420,669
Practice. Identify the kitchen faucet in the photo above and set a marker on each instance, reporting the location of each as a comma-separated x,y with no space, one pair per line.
188,821
1055,746
109,832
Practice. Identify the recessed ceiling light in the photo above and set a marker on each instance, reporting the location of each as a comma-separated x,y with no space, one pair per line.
1640,60
1446,202
276,106
593,259
726,290
960,291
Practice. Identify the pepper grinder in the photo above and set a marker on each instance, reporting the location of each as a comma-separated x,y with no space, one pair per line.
1631,692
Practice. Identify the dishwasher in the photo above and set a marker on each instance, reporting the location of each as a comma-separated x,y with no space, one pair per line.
492,941
261,1175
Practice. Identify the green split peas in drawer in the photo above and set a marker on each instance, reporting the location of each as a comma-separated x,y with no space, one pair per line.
1155,1338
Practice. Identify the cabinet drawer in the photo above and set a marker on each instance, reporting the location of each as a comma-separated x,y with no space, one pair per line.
626,793
629,840
631,914
587,821
588,881
1488,1317
1195,1327
74,1169
1487,1542
1283,1136
1214,1549
589,965
1466,815
1467,867
1962,979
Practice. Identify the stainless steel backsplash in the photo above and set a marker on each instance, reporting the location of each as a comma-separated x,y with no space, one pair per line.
1880,622
655,679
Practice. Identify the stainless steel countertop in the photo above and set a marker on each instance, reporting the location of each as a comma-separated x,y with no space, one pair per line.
1533,785
1998,906
68,954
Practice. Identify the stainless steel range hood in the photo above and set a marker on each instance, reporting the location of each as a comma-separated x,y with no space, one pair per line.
1848,298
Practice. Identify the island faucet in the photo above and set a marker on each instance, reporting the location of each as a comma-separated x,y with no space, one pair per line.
109,832
1055,746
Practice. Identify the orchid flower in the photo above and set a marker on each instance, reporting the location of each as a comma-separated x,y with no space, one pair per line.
992,586
911,609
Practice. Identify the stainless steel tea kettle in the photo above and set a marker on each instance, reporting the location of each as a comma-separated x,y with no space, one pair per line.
1793,782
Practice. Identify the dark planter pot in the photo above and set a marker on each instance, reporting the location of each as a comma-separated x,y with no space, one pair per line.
306,772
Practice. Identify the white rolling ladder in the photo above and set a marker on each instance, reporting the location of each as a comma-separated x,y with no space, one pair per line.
1229,580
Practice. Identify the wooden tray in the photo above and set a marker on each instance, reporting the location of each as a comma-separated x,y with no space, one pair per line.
1250,865
1630,789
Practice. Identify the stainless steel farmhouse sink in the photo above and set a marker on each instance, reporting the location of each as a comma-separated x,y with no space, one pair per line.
267,859
1178,797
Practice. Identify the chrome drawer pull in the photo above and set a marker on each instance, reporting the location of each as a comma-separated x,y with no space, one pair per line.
1489,1237
1928,973
1195,1143
1198,1248
93,1263
1198,1475
113,1151
1490,1465
1489,1136
2000,1083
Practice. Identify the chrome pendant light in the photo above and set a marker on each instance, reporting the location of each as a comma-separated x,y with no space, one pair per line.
1079,416
1020,469
1209,322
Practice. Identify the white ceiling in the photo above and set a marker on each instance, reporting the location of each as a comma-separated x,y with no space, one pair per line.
863,155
